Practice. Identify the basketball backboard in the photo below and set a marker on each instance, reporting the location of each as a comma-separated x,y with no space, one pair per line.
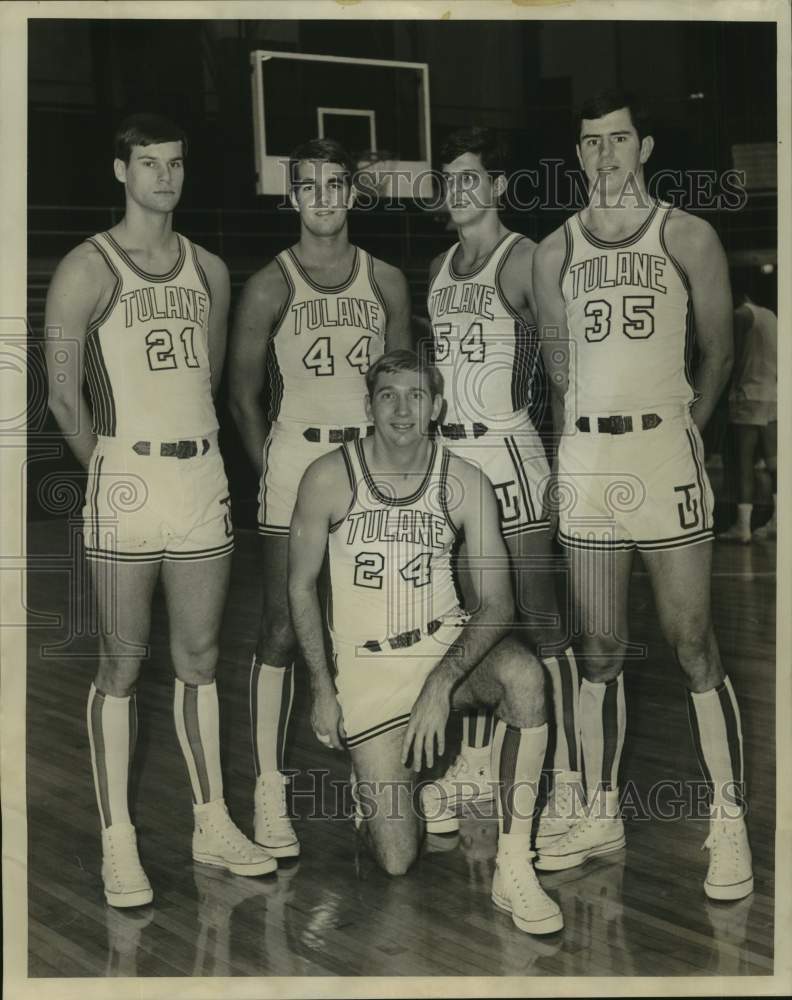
377,108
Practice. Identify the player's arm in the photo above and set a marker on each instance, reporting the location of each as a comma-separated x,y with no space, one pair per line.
516,279
477,516
554,340
696,247
79,285
396,293
220,288
317,503
263,297
551,321
436,264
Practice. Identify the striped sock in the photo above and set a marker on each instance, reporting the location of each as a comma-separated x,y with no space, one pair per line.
271,697
566,695
603,722
197,716
477,729
717,736
112,734
517,758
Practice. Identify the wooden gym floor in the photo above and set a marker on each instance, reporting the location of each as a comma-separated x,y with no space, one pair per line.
641,912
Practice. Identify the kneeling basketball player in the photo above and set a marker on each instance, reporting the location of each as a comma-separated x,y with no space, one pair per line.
389,508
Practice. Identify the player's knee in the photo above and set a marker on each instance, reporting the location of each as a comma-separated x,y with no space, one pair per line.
397,858
694,647
276,636
603,658
523,692
195,660
117,676
522,679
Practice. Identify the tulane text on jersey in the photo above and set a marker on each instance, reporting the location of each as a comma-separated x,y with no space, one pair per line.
170,302
314,314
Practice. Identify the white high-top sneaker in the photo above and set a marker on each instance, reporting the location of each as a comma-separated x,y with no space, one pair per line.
730,872
218,841
600,832
566,805
516,888
272,828
125,882
467,780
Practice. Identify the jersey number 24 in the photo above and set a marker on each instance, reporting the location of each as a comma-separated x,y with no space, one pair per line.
369,567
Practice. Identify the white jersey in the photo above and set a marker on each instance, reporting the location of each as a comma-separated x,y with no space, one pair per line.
390,568
629,318
323,344
147,355
487,353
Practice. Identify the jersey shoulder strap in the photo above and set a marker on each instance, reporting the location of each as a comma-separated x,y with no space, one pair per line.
444,271
445,488
367,268
285,261
354,474
502,251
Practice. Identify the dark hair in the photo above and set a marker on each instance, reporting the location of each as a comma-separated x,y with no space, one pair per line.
484,142
324,151
404,361
605,101
146,130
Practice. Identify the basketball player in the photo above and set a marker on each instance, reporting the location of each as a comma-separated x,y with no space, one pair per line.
621,287
482,311
388,509
308,326
753,411
140,312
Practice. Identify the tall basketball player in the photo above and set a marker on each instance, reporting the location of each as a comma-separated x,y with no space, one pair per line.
621,287
140,312
482,311
387,509
308,327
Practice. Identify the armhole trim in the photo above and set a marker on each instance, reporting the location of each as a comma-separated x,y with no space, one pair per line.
114,296
350,471
377,290
289,298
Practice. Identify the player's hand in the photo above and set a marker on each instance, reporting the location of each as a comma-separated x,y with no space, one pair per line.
327,721
427,724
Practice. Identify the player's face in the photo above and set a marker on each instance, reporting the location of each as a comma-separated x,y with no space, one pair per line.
322,195
402,406
469,189
154,175
610,151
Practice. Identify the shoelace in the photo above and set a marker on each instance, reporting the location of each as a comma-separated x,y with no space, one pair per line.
460,766
233,836
124,853
559,799
719,833
524,877
279,816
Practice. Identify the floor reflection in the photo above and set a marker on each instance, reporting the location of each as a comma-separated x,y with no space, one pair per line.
124,932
